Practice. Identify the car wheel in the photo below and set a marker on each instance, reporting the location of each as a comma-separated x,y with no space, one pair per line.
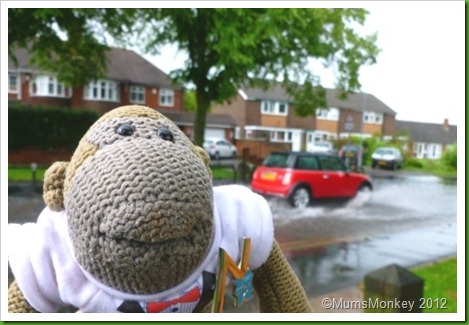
364,188
216,156
300,198
394,166
233,154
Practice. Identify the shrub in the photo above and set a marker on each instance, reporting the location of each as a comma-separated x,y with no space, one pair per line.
413,162
47,128
450,156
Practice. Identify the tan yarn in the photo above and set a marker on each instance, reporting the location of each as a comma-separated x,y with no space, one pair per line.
140,208
17,303
277,286
54,178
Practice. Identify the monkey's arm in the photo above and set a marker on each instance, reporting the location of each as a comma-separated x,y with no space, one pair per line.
277,286
17,303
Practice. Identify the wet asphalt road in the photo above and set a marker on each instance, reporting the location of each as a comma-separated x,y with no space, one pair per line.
408,219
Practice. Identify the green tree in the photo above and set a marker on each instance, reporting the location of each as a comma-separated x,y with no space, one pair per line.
190,100
68,42
228,48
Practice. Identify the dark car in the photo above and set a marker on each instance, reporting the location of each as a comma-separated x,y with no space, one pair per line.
351,155
301,177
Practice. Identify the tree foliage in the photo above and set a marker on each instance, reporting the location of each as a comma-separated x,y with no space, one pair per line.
68,42
228,48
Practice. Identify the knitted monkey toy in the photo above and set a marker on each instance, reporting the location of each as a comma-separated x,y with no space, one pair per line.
132,224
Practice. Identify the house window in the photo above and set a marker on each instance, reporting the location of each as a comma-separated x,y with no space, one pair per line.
274,108
42,85
137,94
102,90
166,97
372,118
12,83
281,136
331,114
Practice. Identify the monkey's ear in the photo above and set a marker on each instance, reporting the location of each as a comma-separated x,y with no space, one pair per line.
203,154
54,179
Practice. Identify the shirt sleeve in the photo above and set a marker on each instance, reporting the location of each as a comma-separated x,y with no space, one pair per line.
244,213
37,254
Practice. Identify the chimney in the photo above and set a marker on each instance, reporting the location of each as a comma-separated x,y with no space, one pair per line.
446,124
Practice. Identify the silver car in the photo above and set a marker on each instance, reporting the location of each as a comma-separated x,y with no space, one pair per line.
219,148
389,157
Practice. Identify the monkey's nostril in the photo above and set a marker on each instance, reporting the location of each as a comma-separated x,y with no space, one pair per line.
165,134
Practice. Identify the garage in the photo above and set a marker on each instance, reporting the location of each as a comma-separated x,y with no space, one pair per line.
214,133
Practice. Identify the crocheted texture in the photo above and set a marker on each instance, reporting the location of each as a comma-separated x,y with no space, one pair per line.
140,208
53,185
277,286
16,301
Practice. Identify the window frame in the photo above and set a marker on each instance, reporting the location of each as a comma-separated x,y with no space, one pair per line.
270,107
44,85
17,86
138,91
328,114
370,117
164,94
102,90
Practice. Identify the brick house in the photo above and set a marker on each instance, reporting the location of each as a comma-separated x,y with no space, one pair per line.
268,115
427,140
130,80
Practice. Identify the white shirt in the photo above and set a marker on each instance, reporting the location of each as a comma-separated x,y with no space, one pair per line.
42,261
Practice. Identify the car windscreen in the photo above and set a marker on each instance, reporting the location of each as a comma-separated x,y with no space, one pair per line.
276,160
384,151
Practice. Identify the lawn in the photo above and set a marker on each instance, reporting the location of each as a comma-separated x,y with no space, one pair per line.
440,286
24,174
220,173
435,167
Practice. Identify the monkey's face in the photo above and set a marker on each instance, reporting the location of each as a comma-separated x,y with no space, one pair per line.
140,206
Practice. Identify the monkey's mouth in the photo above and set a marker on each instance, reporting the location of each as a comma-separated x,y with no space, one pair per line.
152,232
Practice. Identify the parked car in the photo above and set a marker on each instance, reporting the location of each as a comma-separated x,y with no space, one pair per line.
219,148
387,157
302,177
351,155
322,146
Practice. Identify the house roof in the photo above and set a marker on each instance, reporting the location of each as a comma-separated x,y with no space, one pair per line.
428,132
187,118
122,65
357,101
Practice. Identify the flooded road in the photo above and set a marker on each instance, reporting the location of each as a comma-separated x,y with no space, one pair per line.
407,220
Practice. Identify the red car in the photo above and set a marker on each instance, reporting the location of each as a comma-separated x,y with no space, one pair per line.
301,177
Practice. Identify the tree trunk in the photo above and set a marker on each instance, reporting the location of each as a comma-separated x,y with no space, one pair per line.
203,105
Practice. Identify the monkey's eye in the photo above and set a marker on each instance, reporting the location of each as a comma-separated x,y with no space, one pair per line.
165,134
125,130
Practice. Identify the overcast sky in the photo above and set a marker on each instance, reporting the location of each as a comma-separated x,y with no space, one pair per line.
420,70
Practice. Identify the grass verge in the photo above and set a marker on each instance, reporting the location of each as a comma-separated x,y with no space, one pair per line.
440,286
435,167
25,174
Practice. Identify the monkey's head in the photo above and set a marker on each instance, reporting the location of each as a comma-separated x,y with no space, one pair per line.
138,197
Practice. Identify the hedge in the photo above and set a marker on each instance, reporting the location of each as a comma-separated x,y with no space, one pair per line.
51,128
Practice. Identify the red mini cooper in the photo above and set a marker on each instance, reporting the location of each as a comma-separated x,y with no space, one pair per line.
301,177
